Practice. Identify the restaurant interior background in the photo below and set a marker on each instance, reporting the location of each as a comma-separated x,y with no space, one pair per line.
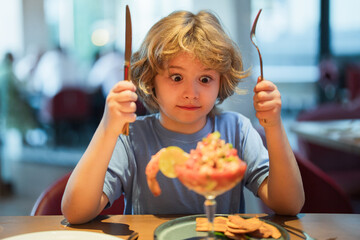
74,48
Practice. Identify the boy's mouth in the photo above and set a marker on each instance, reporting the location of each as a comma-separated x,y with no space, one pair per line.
188,107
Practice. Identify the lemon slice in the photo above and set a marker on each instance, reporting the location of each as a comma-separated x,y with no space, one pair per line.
170,157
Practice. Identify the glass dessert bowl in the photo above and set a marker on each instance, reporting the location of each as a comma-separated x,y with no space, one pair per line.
212,169
209,170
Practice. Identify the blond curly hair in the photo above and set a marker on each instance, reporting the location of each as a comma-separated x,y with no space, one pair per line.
201,35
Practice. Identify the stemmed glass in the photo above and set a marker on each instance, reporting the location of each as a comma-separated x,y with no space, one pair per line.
210,186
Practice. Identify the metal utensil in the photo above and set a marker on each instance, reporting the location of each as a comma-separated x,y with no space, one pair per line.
128,40
133,236
253,40
293,230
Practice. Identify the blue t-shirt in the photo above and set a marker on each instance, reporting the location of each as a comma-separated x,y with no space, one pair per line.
126,170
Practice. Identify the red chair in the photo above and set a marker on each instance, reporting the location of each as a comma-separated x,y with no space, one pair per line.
353,81
343,167
49,202
70,104
325,157
322,193
70,116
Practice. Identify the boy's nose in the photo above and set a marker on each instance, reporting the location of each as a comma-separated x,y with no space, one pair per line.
191,91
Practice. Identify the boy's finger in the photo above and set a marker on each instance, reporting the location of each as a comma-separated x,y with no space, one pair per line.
126,107
125,96
124,85
264,85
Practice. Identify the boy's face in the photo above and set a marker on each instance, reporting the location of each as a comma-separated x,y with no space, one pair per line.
186,91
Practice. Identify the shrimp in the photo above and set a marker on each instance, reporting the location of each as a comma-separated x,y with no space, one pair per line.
151,171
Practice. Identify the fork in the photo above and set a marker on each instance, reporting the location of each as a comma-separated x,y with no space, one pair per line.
253,40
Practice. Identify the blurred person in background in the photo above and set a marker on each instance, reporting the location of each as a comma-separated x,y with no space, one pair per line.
24,68
15,110
108,70
55,71
16,116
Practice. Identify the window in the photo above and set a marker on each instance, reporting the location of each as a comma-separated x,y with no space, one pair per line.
345,27
144,14
287,35
10,27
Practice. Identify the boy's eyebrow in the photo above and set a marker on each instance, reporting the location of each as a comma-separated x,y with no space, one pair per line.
175,66
179,67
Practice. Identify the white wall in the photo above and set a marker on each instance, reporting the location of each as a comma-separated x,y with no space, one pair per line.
34,27
10,27
22,26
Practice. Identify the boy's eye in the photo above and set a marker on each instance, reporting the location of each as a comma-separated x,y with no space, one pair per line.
176,77
205,79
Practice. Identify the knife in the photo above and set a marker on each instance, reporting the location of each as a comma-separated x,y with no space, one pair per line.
128,40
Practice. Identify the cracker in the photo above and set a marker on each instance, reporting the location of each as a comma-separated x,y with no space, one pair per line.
202,224
235,236
235,227
238,224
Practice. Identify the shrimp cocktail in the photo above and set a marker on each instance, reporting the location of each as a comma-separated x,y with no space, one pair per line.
210,170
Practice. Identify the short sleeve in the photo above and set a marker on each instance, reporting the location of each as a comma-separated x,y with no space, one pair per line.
118,172
256,156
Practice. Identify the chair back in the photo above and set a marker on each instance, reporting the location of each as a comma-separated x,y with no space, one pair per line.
70,104
49,202
353,81
322,193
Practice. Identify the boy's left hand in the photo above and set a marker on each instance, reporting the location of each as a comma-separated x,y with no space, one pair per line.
267,103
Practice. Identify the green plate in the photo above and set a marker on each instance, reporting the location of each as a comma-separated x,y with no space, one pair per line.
183,228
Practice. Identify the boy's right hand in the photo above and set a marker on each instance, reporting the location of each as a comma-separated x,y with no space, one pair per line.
120,107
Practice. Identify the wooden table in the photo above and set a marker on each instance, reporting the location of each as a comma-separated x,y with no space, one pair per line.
338,134
319,226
